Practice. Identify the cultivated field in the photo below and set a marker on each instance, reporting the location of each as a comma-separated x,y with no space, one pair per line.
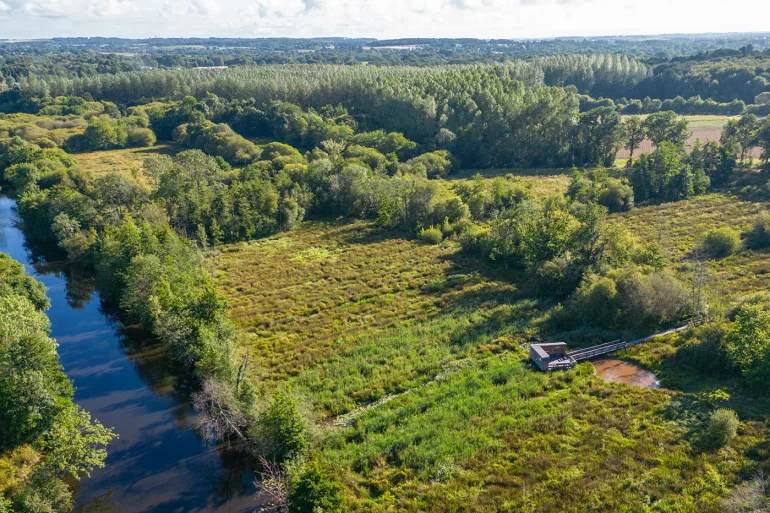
704,129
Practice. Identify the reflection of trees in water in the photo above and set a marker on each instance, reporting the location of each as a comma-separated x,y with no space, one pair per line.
233,479
101,504
79,282
151,360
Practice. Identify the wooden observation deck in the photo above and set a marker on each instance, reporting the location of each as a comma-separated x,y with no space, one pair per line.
554,355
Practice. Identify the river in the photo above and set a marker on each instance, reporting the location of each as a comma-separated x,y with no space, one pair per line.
158,464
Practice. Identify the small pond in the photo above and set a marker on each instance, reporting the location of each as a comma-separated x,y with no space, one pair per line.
619,371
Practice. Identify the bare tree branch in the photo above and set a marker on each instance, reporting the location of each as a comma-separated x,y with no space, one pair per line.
220,416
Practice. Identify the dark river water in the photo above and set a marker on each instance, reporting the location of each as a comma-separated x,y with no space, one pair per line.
122,378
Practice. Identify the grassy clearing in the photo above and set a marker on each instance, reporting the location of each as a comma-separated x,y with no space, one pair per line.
542,182
347,313
500,436
680,226
123,160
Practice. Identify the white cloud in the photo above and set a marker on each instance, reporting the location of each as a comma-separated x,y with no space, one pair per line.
376,18
68,9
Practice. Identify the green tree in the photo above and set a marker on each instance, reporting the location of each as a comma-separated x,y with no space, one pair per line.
747,344
744,133
634,133
103,134
666,126
281,429
316,491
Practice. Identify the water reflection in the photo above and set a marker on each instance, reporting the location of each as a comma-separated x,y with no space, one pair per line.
122,377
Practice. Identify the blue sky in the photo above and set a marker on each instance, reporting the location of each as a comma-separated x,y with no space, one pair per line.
377,18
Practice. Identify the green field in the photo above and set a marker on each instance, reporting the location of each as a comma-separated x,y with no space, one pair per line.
348,314
410,358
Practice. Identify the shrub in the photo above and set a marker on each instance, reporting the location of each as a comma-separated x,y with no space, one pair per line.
704,349
759,236
558,276
103,134
282,430
627,299
747,496
436,164
594,302
721,242
721,428
617,196
45,142
316,490
653,300
747,343
431,235
141,137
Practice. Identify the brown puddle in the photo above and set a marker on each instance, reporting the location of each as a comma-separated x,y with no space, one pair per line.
618,371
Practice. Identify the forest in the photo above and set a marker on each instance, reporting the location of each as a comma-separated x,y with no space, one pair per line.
346,264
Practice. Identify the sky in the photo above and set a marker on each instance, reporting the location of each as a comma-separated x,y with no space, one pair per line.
382,19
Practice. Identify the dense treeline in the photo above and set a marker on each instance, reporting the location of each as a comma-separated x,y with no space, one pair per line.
14,66
441,108
44,437
598,75
720,77
723,78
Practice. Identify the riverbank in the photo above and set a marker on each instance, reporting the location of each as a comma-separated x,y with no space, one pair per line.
122,377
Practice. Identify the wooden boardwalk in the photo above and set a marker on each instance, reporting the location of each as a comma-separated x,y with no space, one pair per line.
567,360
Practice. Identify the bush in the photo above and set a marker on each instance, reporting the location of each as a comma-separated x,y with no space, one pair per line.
315,491
704,349
747,344
651,301
141,137
721,429
282,430
617,196
626,299
721,242
760,232
431,235
557,277
103,134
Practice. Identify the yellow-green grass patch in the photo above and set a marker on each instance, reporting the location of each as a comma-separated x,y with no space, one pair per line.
122,161
501,436
680,226
348,313
542,182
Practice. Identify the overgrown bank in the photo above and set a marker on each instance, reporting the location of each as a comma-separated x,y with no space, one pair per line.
46,441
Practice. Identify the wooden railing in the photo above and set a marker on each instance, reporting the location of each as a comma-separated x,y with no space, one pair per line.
609,347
